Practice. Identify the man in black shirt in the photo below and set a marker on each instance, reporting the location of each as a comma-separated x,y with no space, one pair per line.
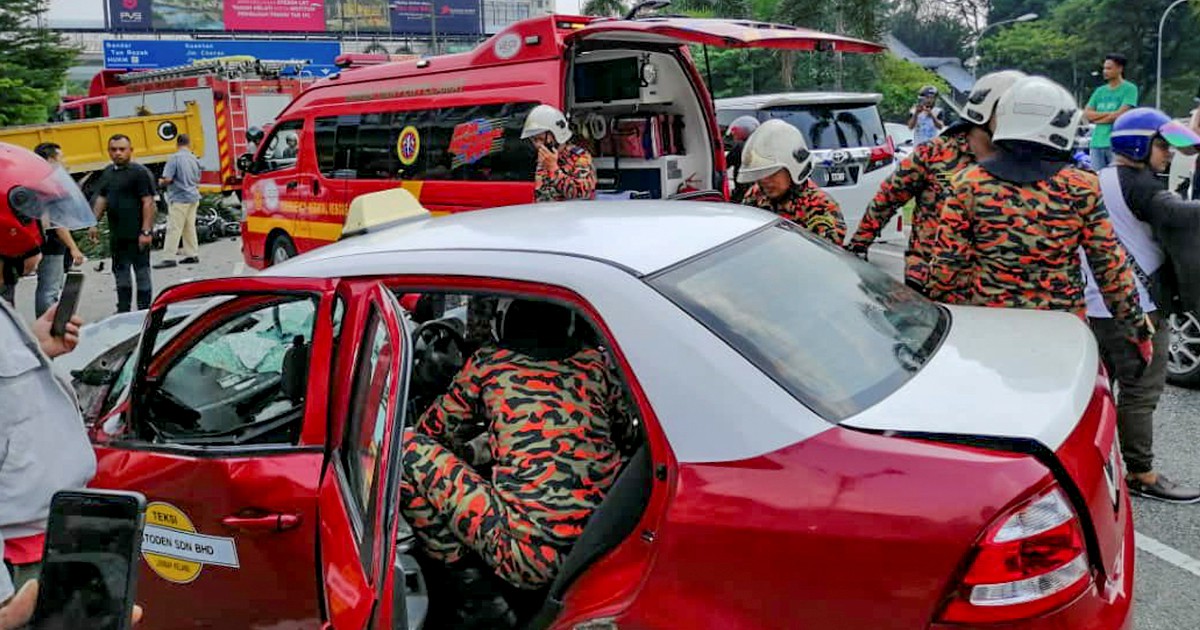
126,192
1159,229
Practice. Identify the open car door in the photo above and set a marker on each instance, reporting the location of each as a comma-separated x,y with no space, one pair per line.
721,33
359,493
225,435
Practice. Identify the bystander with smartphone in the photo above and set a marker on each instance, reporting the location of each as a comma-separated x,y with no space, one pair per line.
44,446
925,118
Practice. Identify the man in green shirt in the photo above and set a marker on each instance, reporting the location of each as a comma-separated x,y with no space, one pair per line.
1108,102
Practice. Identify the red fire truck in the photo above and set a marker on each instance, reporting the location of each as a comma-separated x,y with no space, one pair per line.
233,94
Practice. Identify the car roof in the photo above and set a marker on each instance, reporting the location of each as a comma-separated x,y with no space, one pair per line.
760,101
641,237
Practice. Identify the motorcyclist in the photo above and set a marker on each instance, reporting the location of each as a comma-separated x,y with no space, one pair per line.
1158,228
1009,235
564,171
545,403
736,135
43,445
927,172
777,160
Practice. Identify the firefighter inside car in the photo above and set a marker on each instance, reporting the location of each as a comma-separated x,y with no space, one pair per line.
505,468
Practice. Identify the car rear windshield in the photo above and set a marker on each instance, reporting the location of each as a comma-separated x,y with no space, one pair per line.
836,332
833,126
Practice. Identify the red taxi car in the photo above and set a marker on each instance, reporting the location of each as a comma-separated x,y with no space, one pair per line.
815,446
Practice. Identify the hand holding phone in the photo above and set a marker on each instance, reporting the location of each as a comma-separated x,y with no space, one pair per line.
67,303
89,567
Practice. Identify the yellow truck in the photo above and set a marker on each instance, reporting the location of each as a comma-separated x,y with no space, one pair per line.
85,142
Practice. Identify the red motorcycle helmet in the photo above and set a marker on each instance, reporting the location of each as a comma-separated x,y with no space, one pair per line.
33,191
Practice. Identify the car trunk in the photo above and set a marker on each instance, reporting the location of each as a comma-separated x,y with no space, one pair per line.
648,118
1022,381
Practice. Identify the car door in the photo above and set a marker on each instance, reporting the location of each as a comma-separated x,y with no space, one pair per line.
276,192
225,435
360,483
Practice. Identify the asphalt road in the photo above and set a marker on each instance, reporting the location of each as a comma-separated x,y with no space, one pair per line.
1168,560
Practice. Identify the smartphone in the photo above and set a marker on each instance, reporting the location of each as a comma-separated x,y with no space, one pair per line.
67,303
89,566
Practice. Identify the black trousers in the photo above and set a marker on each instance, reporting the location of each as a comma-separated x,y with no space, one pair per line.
1137,397
128,255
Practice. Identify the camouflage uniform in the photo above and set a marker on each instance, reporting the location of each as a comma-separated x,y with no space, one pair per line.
550,438
805,205
927,174
1015,245
575,179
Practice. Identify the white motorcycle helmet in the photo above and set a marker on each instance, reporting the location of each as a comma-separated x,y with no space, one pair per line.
545,118
774,146
1039,111
981,102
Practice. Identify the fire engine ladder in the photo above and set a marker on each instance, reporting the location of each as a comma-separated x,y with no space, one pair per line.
224,67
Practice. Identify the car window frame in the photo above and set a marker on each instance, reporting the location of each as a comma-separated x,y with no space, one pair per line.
261,162
362,517
196,326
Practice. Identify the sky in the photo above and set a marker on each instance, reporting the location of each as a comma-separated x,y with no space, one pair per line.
90,13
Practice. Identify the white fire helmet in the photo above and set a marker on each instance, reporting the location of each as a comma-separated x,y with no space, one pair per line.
1038,110
774,146
981,102
545,118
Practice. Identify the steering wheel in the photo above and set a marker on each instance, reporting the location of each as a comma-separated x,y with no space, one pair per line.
437,354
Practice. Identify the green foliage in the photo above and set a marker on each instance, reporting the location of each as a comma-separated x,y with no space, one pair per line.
1069,41
937,35
606,8
33,64
899,81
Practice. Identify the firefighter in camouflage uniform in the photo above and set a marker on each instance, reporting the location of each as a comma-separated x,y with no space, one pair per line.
547,405
1010,233
564,171
777,160
927,174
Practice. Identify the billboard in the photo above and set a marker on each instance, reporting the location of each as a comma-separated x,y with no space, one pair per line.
401,17
128,54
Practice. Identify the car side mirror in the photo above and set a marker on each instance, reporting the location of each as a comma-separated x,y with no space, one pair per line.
245,163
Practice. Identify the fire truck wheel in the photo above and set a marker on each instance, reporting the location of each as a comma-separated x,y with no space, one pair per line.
281,249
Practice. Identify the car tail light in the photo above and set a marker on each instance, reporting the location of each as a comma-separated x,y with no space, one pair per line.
881,156
1030,561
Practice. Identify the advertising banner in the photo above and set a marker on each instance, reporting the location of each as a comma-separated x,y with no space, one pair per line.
453,17
127,54
405,17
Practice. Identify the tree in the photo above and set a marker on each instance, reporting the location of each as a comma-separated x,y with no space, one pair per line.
899,81
33,64
931,35
605,8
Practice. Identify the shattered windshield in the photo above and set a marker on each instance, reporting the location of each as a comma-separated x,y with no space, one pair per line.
241,381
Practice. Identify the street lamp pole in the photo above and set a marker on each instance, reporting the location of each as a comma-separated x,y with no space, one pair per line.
1028,17
1158,69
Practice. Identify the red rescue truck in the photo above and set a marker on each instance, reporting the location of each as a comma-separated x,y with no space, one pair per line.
233,93
447,129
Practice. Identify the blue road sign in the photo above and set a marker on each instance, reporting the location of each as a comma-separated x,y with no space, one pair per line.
132,54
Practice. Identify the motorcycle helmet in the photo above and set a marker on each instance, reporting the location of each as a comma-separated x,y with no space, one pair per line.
1135,130
32,191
